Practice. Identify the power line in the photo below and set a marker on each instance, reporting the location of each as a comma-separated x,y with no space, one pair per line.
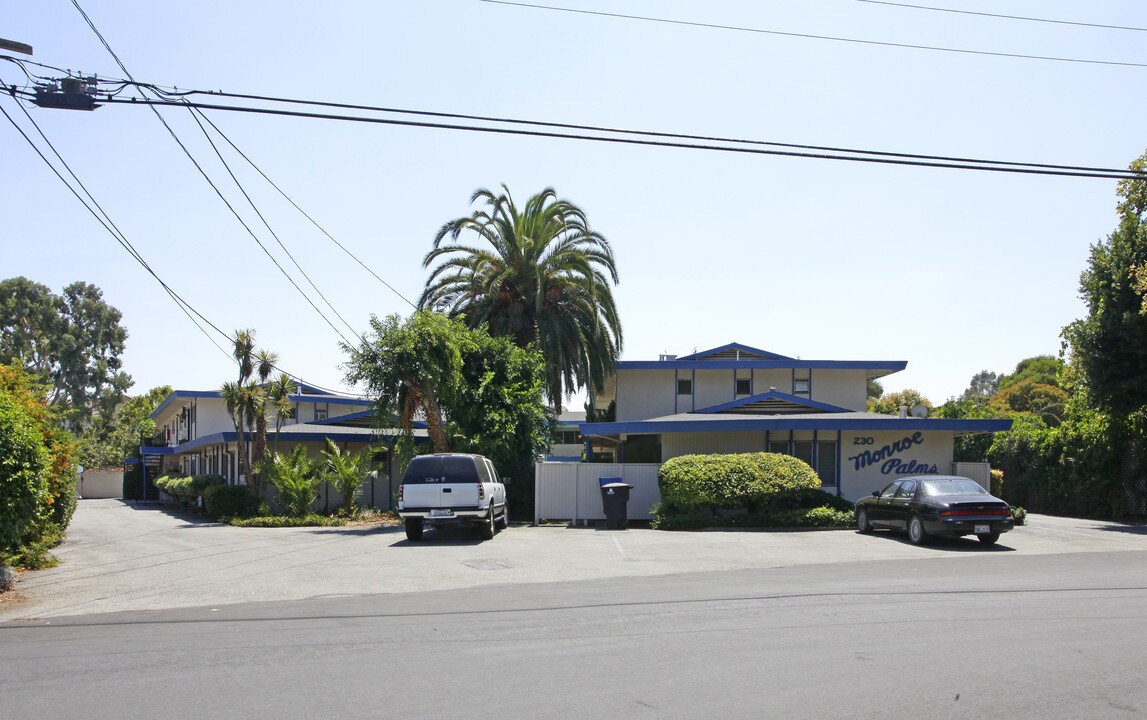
1006,17
811,36
304,212
264,219
643,133
1110,174
108,224
941,160
208,178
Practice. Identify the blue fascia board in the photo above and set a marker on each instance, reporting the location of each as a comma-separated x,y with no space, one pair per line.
734,346
803,402
885,365
794,422
178,394
156,451
343,418
331,400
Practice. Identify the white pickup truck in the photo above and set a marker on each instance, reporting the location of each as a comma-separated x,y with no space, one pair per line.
452,489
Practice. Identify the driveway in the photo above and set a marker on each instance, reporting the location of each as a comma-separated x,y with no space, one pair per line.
120,557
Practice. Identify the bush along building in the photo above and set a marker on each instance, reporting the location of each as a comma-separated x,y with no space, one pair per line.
736,399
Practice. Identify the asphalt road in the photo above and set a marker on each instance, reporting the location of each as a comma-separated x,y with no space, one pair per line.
561,623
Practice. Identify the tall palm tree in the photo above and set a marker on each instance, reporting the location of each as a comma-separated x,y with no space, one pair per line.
264,365
279,392
541,276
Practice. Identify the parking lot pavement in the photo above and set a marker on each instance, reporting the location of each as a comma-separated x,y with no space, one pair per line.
119,556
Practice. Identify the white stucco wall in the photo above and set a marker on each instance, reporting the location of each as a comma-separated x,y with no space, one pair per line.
644,394
712,387
782,380
675,444
871,460
843,388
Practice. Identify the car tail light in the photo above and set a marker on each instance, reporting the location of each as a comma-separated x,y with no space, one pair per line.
481,491
400,487
990,511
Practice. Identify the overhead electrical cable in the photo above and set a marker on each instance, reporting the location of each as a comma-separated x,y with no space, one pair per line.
1112,174
111,227
302,211
207,177
267,224
177,97
810,36
1006,17
108,224
624,131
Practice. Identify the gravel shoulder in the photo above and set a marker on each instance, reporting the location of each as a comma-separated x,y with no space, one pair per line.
122,557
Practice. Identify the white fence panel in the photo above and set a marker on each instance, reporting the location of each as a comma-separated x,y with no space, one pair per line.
980,472
572,490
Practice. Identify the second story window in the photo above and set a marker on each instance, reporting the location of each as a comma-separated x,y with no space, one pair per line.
684,387
320,411
744,386
800,387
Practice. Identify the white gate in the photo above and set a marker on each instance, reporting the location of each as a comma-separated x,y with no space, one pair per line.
571,491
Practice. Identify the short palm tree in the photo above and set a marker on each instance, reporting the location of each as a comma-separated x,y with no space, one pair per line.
541,276
279,392
345,472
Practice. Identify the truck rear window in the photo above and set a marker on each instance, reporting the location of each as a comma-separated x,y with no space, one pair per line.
449,469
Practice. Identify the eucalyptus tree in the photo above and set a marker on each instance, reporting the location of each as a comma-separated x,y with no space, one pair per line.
539,275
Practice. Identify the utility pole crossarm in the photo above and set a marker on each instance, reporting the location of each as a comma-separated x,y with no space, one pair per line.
15,46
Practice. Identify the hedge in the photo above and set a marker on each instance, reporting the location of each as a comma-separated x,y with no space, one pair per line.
747,481
24,468
229,501
187,487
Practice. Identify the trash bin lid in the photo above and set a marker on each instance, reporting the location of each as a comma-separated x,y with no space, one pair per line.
608,486
603,481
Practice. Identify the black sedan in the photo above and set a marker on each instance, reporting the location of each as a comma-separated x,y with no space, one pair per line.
927,505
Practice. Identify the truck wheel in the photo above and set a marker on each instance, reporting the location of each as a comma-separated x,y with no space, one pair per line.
413,529
504,521
488,528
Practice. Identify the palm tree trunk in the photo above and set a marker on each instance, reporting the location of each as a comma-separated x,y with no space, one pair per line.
434,420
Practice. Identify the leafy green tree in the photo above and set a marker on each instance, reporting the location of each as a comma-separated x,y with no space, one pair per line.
1042,369
108,440
279,393
1110,344
1031,396
974,447
57,502
71,343
296,477
488,394
345,472
23,475
540,276
874,389
984,384
408,367
889,403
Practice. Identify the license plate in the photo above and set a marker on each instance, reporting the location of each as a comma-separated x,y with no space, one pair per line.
983,529
450,513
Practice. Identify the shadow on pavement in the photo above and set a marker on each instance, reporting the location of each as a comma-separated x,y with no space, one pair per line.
960,544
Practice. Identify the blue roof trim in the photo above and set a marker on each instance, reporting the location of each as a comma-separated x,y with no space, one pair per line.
803,402
176,395
887,365
331,399
734,346
793,422
155,451
416,424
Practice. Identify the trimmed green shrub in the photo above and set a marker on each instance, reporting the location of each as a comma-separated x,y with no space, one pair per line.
24,467
1020,515
229,501
747,481
187,487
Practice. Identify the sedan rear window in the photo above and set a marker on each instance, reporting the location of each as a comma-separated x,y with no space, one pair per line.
955,486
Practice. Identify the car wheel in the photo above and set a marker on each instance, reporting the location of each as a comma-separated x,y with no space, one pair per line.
488,527
504,520
862,521
413,529
916,533
989,539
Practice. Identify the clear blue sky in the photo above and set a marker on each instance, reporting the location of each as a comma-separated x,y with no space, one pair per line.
953,271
